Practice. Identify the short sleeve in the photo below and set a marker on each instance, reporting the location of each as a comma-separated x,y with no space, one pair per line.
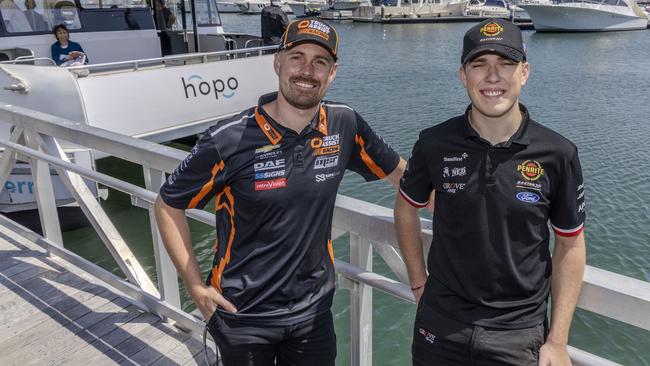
197,179
416,185
568,213
372,157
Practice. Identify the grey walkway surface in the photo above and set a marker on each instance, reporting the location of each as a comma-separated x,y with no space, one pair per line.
54,314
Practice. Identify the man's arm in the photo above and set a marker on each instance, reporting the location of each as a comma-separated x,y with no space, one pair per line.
175,234
566,282
397,173
407,225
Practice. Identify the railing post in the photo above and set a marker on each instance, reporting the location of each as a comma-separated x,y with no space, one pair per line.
167,275
44,193
361,304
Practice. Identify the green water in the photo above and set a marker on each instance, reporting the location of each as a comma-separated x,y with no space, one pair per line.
592,88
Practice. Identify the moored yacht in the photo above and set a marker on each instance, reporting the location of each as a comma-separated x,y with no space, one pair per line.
586,15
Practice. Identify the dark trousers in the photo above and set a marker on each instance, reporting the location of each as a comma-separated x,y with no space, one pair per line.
439,340
309,343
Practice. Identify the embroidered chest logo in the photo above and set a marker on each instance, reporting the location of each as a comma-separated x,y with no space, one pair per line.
531,170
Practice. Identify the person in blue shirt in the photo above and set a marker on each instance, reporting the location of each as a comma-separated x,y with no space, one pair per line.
64,49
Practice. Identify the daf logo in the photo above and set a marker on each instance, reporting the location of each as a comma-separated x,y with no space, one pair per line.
267,165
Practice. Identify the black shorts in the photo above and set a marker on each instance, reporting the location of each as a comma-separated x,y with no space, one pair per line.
309,343
439,340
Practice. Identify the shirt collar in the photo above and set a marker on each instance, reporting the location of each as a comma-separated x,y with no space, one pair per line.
519,137
275,131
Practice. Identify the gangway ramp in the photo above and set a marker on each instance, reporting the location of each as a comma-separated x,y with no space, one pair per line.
54,313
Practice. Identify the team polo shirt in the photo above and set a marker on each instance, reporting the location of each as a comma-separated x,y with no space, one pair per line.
489,262
275,192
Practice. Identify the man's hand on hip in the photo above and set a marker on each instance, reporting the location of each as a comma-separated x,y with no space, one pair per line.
554,354
207,298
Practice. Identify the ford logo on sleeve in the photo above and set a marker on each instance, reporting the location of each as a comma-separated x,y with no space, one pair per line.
527,197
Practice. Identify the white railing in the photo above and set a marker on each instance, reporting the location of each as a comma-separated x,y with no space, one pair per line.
370,227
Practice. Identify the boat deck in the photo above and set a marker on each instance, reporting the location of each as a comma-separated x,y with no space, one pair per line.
52,313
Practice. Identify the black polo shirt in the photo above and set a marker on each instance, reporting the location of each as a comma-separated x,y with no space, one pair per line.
489,262
275,192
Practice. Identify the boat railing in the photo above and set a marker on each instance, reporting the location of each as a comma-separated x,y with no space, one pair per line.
368,227
175,60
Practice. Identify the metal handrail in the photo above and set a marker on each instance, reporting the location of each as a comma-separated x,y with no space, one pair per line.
23,59
370,226
135,64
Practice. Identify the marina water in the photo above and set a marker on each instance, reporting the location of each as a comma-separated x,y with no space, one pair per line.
592,88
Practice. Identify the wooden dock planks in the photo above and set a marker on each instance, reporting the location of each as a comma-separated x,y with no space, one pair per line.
52,314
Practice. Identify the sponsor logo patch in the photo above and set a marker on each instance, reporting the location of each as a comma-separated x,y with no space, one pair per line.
528,197
323,177
458,172
323,162
327,150
453,187
267,175
265,185
531,170
428,336
314,27
266,148
529,185
491,29
269,165
448,159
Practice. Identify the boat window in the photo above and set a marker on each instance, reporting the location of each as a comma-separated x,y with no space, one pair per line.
206,13
20,16
112,4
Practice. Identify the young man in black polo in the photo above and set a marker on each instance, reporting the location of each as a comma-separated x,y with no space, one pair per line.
275,170
499,177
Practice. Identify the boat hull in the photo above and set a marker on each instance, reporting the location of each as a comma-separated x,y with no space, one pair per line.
565,18
228,7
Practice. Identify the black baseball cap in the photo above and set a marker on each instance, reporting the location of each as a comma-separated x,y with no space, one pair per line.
494,35
311,30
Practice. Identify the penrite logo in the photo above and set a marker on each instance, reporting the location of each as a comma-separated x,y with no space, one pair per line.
218,87
531,170
265,185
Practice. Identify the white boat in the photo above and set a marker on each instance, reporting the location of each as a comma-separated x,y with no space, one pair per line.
586,15
495,8
228,7
306,8
421,9
256,6
350,5
132,70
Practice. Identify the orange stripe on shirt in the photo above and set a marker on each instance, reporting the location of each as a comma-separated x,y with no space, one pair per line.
207,187
271,133
229,206
322,120
374,168
330,250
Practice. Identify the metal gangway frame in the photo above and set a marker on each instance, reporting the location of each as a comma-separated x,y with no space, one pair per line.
35,138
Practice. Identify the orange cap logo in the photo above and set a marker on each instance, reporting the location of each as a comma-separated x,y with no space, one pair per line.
491,29
304,24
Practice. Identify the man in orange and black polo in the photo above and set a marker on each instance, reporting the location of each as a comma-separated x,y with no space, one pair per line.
275,170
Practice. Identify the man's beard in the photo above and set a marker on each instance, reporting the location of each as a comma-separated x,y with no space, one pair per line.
299,98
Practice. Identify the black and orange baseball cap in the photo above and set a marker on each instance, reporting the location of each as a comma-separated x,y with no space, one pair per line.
494,36
311,30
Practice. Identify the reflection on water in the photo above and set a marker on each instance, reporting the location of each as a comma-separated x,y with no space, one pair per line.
592,88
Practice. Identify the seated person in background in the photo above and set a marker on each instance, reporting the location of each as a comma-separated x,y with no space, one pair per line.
14,19
63,49
34,18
